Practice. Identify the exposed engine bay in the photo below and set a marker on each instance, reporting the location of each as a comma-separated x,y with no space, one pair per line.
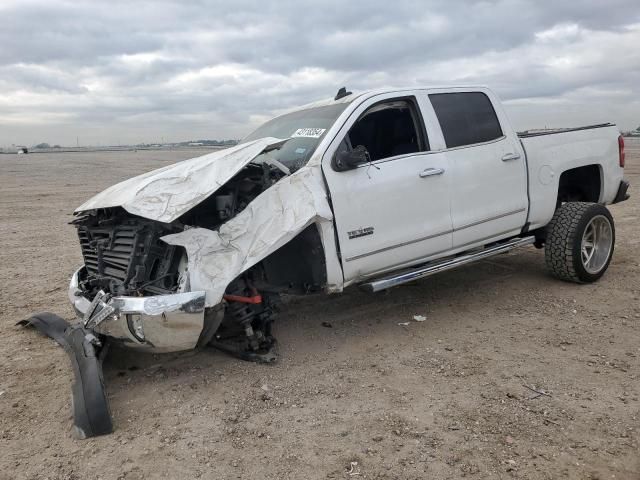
125,256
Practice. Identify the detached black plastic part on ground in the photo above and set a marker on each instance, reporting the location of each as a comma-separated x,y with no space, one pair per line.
91,415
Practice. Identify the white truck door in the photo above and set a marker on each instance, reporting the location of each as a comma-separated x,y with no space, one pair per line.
393,210
489,172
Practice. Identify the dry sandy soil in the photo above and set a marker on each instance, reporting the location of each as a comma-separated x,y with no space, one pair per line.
442,398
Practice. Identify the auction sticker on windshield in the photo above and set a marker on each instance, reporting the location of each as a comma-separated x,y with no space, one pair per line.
308,132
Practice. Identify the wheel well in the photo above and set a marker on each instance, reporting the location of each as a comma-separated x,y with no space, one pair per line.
581,184
297,267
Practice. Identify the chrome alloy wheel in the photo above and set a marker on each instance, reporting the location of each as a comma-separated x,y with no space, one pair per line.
597,241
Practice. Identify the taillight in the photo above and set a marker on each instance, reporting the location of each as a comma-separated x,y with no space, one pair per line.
621,150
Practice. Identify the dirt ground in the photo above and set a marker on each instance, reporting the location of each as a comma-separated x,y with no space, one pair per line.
443,398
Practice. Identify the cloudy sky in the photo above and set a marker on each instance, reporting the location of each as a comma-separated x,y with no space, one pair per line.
126,72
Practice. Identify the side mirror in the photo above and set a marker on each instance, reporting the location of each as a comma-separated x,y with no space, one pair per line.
350,159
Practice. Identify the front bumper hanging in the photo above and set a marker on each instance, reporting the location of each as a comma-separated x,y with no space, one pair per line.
158,323
91,415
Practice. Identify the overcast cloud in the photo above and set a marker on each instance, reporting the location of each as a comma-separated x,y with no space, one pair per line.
127,72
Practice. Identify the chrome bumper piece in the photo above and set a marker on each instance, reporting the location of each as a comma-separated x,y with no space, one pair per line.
159,323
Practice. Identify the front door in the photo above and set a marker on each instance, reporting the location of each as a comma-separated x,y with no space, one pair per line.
393,210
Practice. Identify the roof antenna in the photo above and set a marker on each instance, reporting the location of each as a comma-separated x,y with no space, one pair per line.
342,93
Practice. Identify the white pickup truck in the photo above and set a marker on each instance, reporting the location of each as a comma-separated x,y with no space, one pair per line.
375,189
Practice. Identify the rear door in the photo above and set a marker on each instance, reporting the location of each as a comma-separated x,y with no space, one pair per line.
394,210
488,168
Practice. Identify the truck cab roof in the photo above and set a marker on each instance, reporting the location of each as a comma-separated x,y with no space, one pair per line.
365,94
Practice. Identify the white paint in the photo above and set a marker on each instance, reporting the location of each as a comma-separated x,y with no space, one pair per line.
390,196
167,193
563,151
490,195
545,175
482,198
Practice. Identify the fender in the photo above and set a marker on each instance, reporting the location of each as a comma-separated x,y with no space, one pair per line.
271,220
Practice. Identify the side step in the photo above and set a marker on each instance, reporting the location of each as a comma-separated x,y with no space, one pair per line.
437,267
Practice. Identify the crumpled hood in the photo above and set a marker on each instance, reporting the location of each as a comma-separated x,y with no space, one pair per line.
270,221
167,193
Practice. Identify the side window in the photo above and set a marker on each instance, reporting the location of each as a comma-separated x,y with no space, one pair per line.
466,118
388,129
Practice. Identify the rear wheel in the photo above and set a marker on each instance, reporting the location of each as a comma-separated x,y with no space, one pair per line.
580,242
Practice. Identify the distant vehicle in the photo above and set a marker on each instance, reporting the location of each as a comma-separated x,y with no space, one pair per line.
375,189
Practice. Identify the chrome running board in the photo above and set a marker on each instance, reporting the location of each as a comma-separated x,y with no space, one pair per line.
441,266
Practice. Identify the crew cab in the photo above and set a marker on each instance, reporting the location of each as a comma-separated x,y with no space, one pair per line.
374,189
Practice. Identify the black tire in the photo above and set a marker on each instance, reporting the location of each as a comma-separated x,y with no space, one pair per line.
563,246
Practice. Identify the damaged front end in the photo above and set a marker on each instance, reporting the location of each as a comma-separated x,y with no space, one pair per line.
135,287
159,323
132,285
197,253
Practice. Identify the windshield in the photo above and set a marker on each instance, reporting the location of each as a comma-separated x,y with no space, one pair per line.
304,129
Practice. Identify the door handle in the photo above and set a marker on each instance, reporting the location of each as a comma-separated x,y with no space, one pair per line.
429,172
510,156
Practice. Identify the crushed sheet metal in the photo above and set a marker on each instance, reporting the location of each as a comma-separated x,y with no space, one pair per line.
167,193
271,220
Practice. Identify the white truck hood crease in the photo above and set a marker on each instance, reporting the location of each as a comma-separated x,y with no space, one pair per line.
167,193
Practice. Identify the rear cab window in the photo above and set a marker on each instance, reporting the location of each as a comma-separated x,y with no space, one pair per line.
466,118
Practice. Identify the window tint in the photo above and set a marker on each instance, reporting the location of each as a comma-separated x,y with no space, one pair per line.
466,118
389,129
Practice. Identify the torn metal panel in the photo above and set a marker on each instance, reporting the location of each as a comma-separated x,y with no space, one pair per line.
271,220
167,193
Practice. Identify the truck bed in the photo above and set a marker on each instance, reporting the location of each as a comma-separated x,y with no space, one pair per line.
550,153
